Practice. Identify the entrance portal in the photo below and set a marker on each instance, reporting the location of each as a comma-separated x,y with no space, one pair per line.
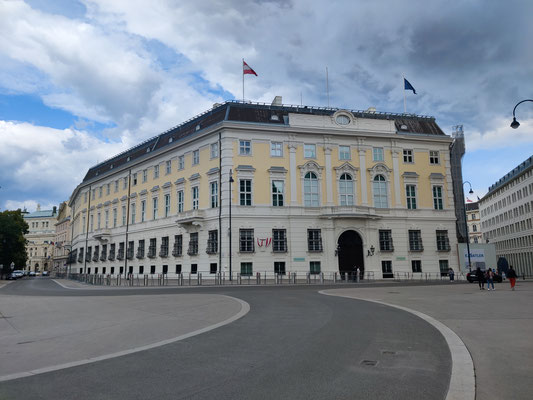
350,254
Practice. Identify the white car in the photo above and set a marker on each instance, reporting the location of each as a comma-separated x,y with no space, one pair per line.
18,273
45,273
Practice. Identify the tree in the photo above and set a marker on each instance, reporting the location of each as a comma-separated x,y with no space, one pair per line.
12,240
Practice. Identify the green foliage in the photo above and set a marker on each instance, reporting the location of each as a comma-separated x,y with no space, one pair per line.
12,240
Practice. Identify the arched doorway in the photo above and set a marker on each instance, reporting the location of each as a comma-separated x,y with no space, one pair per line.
350,254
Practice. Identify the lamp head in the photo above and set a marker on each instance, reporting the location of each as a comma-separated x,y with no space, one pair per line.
470,191
515,124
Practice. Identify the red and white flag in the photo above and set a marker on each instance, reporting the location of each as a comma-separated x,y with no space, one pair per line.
468,200
246,69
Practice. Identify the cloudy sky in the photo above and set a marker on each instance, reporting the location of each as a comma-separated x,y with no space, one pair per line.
83,80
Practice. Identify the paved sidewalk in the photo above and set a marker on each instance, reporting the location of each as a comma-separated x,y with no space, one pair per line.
496,326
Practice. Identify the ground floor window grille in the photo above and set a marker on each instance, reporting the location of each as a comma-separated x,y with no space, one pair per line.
415,241
279,240
246,269
416,265
385,240
314,267
213,268
193,244
443,243
212,242
246,240
314,240
279,267
386,268
444,267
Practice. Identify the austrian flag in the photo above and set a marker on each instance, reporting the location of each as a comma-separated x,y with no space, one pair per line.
246,69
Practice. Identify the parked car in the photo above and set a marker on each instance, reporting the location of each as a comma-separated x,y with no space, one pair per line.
45,273
12,277
31,273
19,273
472,277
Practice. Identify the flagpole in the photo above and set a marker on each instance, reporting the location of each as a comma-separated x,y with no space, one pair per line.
403,84
327,85
242,67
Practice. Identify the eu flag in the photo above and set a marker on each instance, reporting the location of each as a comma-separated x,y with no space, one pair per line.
408,86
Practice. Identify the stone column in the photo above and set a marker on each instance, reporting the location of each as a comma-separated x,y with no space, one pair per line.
396,172
329,179
293,175
362,170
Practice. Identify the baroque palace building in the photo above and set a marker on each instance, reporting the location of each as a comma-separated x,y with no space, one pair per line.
40,239
507,217
312,190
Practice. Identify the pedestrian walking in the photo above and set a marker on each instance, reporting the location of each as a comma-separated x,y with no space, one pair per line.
451,274
511,275
490,279
480,278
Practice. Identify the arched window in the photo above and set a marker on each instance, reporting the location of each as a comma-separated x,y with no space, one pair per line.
380,192
311,190
346,190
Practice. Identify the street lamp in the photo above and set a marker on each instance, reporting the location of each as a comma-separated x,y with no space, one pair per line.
466,227
229,203
515,124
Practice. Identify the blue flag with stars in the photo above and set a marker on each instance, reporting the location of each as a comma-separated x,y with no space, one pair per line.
408,86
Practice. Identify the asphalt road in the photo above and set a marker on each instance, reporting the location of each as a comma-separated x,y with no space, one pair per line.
293,344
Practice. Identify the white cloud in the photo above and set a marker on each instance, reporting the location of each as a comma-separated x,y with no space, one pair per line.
501,135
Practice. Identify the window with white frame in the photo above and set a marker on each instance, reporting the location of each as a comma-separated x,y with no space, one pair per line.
143,210
213,192
114,218
134,183
167,205
408,156
434,157
100,191
155,207
377,153
246,240
116,187
245,192
344,153
156,171
168,167
416,265
181,162
124,186
346,190
195,197
108,189
276,149
124,215
277,193
245,147
195,157
180,201
314,240
309,151
214,150
415,240
279,240
145,175
314,267
437,198
410,194
311,198
380,192
99,217
133,212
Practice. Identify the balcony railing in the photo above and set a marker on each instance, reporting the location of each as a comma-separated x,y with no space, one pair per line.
140,253
177,251
120,255
151,252
103,256
164,251
111,256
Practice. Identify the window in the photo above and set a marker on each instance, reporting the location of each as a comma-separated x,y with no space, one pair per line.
152,269
277,193
444,267
156,171
152,248
140,250
163,252
99,219
309,151
279,240
178,269
124,215
214,150
155,206
196,157
385,240
246,240
145,175
181,162
279,267
408,156
106,219
195,197
133,209
107,189
276,149
415,240
178,246
120,255
213,190
141,269
344,153
443,243
194,269
100,190
437,198
434,157
124,185
246,269
193,244
116,186
167,205
245,147
346,190
410,194
212,242
386,269
130,250
168,167
135,179
85,196
314,267
213,268
93,195
314,240
377,153
416,265
311,190
380,192
114,218
180,201
143,210
474,228
245,192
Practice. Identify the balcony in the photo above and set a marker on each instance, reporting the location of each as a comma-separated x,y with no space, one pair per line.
192,217
103,256
120,255
164,251
151,252
95,257
102,235
177,251
140,253
88,257
193,249
129,254
111,256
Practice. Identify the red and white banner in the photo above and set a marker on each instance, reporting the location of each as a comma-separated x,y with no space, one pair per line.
246,69
264,242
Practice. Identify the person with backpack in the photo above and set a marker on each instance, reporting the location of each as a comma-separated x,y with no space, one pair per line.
490,279
511,275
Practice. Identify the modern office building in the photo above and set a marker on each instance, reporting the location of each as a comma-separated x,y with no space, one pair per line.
40,239
269,188
474,223
506,217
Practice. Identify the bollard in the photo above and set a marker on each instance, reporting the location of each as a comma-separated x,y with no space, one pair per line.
238,279
180,279
199,279
308,277
321,277
258,278
334,277
293,274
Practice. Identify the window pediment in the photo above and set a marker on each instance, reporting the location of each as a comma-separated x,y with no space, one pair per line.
346,168
311,166
380,169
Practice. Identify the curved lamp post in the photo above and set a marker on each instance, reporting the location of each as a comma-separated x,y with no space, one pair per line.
466,227
515,124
